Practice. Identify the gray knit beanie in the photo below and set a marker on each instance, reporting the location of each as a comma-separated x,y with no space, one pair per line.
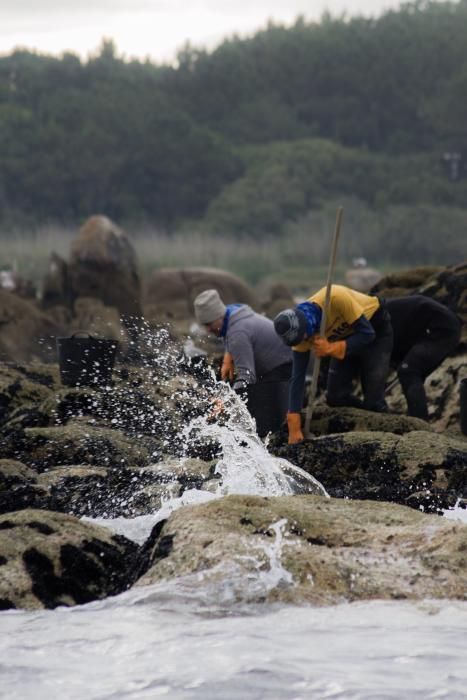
209,307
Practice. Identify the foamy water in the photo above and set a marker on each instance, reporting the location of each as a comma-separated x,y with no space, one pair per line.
160,643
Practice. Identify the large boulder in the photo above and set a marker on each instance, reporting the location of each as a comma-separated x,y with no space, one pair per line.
421,469
448,285
308,549
103,265
405,282
170,292
26,333
50,559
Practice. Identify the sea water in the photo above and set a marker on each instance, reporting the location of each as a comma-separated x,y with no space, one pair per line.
189,640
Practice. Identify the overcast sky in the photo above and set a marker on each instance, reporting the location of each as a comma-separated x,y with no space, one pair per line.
154,28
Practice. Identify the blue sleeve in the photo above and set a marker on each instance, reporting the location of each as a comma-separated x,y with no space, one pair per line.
363,334
297,382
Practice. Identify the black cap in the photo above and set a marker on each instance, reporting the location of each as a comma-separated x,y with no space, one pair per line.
290,325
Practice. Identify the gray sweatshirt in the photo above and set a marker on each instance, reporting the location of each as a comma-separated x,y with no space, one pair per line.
254,344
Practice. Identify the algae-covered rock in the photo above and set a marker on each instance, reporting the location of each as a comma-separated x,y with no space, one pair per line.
22,391
19,487
50,559
78,442
309,549
447,285
327,420
124,492
419,468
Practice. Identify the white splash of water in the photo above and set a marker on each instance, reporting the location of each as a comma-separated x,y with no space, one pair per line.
242,580
276,575
245,466
139,528
456,513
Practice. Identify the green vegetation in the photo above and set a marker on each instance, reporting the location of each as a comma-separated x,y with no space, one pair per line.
260,139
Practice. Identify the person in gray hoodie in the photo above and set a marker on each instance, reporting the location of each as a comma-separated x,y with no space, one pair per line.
254,353
256,362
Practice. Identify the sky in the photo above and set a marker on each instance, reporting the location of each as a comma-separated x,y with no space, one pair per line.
154,29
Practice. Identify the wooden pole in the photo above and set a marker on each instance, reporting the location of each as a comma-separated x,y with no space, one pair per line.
322,329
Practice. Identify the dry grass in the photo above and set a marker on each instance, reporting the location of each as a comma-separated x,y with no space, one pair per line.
298,260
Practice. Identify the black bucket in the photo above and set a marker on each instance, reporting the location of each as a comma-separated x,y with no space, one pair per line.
267,403
463,405
85,360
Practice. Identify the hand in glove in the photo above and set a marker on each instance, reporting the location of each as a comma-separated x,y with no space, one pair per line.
323,348
294,423
227,368
217,409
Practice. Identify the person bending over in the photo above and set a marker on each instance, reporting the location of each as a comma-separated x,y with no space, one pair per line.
357,339
425,332
254,353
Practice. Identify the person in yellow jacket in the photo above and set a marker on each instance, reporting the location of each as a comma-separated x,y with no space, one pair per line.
357,339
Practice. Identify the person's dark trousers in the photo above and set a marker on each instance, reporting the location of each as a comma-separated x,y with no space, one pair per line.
421,360
267,400
371,365
282,373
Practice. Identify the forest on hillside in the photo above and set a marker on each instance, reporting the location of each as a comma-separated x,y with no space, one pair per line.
255,137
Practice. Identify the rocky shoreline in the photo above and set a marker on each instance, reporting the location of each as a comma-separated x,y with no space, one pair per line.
122,450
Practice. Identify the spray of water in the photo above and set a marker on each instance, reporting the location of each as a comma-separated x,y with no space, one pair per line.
172,406
244,466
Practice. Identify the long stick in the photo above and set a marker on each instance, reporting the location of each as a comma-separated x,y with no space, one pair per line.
322,329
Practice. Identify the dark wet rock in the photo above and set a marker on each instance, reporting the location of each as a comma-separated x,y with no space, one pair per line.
22,390
78,490
421,469
407,280
448,285
19,488
124,492
326,420
51,559
78,442
308,549
13,473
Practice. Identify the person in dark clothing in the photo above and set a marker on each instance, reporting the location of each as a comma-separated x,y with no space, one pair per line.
425,332
357,339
